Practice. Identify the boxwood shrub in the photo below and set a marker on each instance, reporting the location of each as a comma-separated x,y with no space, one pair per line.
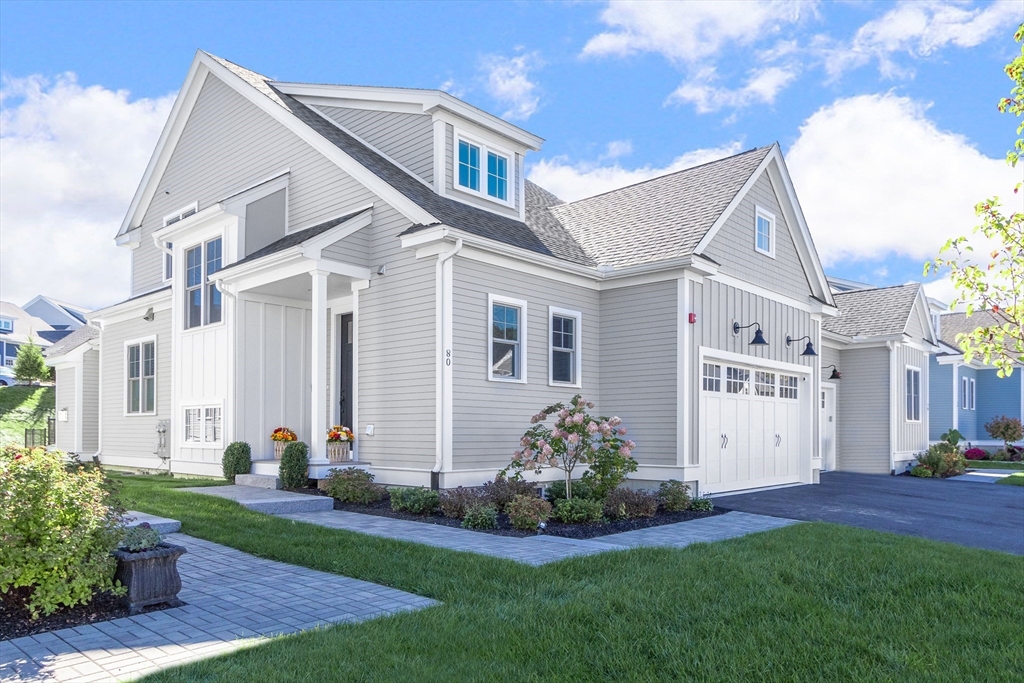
294,465
418,501
674,495
480,517
579,511
352,485
237,460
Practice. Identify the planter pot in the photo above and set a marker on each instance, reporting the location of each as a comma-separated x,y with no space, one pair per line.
279,447
151,576
339,451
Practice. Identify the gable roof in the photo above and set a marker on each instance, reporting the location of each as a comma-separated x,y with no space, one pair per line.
294,239
72,341
873,312
952,324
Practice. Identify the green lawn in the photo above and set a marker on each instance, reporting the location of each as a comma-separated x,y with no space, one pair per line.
994,465
811,602
1015,479
21,408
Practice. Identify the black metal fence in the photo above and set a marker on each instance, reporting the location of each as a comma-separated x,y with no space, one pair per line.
35,438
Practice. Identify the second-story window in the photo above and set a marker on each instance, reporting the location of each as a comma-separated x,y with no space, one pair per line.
476,160
202,298
469,166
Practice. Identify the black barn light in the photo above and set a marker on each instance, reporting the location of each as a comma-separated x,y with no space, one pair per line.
758,339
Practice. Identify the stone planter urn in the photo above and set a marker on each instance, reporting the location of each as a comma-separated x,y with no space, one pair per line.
339,451
151,576
279,447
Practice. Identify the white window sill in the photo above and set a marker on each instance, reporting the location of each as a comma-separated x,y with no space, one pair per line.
564,385
506,380
765,253
152,414
470,192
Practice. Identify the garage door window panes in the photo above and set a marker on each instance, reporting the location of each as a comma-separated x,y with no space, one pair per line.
788,386
712,377
737,380
764,383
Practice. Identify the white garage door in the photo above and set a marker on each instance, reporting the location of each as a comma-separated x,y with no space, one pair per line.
749,427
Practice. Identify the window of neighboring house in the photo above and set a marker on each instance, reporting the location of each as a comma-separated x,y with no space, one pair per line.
913,391
964,388
202,298
507,340
203,425
6,325
764,228
141,390
168,263
470,157
971,395
565,340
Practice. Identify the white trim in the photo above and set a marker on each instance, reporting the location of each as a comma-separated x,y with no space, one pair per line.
501,299
138,341
683,389
180,215
80,399
201,407
318,359
760,212
577,350
972,394
440,158
956,394
743,359
458,135
906,395
964,388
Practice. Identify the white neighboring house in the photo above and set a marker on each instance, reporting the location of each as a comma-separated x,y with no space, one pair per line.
76,360
307,255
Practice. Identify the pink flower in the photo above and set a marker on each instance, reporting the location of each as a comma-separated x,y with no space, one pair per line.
563,413
574,438
592,428
593,447
517,456
547,451
622,431
624,452
590,404
630,445
606,429
615,421
578,419
553,462
527,453
525,441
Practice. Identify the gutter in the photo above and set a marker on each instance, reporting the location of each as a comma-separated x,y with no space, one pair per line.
443,337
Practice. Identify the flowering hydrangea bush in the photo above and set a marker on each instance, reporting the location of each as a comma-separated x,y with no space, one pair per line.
576,437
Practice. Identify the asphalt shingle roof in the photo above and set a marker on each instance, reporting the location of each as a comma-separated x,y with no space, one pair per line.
873,312
294,239
72,341
952,324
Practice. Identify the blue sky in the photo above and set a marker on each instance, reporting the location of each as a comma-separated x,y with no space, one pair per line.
885,111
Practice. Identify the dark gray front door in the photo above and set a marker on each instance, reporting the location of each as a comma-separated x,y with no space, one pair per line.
345,379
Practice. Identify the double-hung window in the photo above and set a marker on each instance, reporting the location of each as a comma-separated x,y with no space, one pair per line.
202,298
972,395
203,425
168,263
967,393
764,232
507,340
483,170
140,398
566,328
913,392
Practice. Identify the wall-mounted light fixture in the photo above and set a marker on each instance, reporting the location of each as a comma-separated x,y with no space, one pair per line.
150,316
808,350
62,415
835,372
381,270
758,339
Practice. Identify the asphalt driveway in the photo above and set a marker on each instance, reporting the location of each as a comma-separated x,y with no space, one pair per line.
978,515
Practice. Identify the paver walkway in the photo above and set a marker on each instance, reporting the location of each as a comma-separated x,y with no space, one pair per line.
270,501
982,476
233,599
541,549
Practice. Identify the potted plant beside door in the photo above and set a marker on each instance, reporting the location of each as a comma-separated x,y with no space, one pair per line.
281,437
339,444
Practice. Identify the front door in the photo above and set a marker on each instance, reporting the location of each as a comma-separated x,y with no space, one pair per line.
345,396
828,427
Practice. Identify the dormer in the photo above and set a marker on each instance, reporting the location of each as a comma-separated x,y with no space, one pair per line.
461,152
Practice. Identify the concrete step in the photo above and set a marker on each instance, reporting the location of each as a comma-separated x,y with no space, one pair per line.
266,467
270,501
161,524
263,481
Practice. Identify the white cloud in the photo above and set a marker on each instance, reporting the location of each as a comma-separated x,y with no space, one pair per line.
918,29
617,149
507,80
876,178
70,160
570,181
689,31
761,88
453,88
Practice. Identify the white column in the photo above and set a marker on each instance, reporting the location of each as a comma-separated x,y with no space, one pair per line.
318,361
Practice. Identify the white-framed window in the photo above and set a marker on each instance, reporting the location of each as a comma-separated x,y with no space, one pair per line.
764,383
737,380
140,377
6,325
565,361
971,395
712,377
964,388
506,339
203,425
9,362
913,393
168,263
180,214
483,169
202,298
764,232
788,386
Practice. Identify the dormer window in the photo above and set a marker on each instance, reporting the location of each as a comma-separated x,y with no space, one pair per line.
482,170
764,232
6,325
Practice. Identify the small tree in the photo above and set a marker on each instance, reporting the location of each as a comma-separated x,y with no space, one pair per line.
577,437
1006,429
30,366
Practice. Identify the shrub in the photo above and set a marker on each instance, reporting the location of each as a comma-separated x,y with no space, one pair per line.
58,527
1006,429
29,365
139,538
294,465
608,469
456,502
579,511
480,517
998,456
975,454
418,501
352,485
702,503
237,460
526,512
503,490
1014,454
580,489
674,495
943,460
920,471
625,503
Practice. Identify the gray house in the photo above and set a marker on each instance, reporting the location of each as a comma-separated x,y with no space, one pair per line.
308,255
75,359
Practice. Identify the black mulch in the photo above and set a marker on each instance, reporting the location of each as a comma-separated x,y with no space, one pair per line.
16,622
554,527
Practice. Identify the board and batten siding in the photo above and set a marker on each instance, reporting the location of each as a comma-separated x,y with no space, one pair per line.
717,307
90,407
909,437
639,382
490,417
451,162
733,246
132,439
863,408
66,398
406,138
202,377
226,145
942,395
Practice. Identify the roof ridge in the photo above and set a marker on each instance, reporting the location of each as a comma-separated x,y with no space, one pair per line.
878,289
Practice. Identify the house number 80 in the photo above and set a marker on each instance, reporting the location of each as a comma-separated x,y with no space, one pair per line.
448,357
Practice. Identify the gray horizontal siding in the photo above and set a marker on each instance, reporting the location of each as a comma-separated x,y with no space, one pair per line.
863,407
67,399
90,401
354,249
489,417
406,138
733,246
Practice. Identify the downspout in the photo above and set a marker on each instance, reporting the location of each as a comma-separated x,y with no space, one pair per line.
893,404
162,247
95,457
443,320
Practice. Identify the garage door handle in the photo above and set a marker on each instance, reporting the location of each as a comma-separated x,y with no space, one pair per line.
725,441
778,440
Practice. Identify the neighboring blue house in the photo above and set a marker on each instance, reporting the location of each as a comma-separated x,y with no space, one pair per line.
965,396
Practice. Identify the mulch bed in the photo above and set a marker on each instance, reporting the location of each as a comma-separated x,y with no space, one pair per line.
15,621
554,527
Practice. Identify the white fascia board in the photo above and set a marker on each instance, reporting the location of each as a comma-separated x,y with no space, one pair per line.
158,300
187,225
312,247
429,235
71,358
131,239
924,317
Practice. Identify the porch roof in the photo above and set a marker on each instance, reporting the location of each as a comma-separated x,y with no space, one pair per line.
294,239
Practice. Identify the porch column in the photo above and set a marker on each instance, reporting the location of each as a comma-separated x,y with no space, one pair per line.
318,362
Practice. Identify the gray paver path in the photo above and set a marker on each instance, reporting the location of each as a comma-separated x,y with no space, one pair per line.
982,476
538,550
233,599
